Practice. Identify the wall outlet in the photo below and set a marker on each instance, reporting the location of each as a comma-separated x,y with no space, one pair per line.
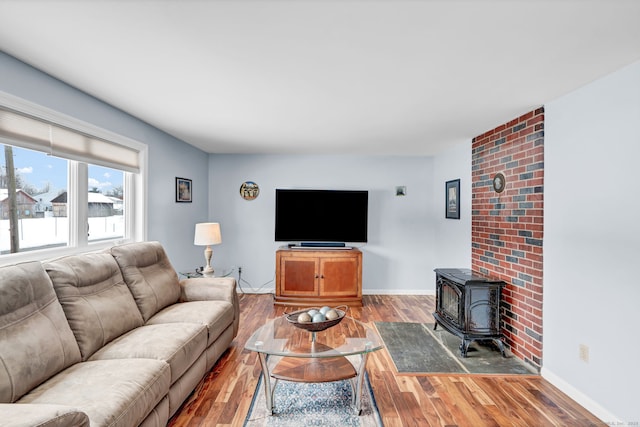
583,353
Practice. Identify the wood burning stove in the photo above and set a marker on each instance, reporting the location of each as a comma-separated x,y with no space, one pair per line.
468,306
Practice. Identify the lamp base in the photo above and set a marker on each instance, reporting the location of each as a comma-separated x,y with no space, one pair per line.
208,270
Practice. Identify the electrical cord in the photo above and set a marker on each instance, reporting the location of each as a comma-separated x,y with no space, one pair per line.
240,280
254,290
242,292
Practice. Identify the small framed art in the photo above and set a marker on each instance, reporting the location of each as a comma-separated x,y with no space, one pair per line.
452,199
184,189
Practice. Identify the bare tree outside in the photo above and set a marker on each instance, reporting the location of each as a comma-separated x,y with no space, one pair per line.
13,207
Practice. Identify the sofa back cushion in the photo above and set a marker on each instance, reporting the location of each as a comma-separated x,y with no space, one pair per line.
37,342
149,274
95,299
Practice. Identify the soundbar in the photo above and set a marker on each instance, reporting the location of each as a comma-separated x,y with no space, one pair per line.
319,245
322,244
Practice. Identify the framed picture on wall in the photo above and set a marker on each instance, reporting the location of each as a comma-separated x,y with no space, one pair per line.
452,199
183,190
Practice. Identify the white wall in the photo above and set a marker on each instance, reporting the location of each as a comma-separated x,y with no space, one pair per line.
592,245
452,236
168,222
399,256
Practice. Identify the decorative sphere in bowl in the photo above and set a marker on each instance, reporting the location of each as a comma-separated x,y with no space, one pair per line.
304,317
332,314
314,320
318,317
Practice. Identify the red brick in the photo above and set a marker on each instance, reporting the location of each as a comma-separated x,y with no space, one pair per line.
526,302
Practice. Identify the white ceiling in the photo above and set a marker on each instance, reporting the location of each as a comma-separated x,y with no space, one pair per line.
338,77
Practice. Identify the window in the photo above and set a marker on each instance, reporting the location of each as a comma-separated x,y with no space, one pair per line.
65,186
39,180
105,203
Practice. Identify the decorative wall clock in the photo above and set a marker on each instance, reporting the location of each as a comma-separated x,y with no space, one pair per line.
249,190
499,182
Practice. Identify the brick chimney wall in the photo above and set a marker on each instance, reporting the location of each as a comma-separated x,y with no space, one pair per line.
507,228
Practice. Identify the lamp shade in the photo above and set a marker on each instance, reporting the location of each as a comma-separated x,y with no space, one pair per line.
207,233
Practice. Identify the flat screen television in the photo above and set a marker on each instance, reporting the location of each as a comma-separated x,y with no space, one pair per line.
333,216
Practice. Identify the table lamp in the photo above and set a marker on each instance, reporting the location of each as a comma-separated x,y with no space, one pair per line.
207,234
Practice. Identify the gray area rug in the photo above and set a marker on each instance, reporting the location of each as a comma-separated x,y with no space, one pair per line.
417,348
316,404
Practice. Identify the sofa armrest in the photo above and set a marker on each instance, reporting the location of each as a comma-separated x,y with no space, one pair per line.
212,289
40,415
208,289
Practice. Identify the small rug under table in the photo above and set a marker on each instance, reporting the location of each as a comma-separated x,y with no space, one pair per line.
313,404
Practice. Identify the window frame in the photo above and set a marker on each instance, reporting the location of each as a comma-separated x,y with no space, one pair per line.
134,186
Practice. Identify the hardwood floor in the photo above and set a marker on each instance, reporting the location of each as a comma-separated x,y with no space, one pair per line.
224,396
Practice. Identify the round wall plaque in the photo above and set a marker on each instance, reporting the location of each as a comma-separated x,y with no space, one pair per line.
249,190
499,182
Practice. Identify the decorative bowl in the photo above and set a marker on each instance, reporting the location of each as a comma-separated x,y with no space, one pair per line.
314,326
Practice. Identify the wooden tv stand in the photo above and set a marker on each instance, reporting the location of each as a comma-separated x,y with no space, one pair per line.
318,277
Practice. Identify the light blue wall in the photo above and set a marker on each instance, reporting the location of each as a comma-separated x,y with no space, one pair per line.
592,236
453,236
168,222
399,257
592,245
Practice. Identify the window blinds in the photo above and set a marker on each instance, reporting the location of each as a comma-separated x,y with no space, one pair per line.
26,131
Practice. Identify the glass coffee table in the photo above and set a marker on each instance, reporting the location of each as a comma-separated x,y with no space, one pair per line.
290,353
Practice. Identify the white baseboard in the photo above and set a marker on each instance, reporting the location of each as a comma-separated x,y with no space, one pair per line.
398,292
581,398
255,291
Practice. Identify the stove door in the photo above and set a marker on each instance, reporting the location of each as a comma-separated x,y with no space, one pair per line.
483,314
450,300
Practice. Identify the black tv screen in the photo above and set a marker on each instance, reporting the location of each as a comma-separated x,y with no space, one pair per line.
321,216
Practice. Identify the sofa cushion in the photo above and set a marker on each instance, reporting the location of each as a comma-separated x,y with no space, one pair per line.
36,339
178,344
43,415
213,289
149,274
114,393
216,316
159,417
95,299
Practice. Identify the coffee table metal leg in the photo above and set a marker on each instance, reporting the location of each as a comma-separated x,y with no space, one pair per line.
266,376
356,384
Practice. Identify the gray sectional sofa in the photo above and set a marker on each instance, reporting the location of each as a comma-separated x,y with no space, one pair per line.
110,338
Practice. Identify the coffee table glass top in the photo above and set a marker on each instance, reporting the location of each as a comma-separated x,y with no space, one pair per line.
278,337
